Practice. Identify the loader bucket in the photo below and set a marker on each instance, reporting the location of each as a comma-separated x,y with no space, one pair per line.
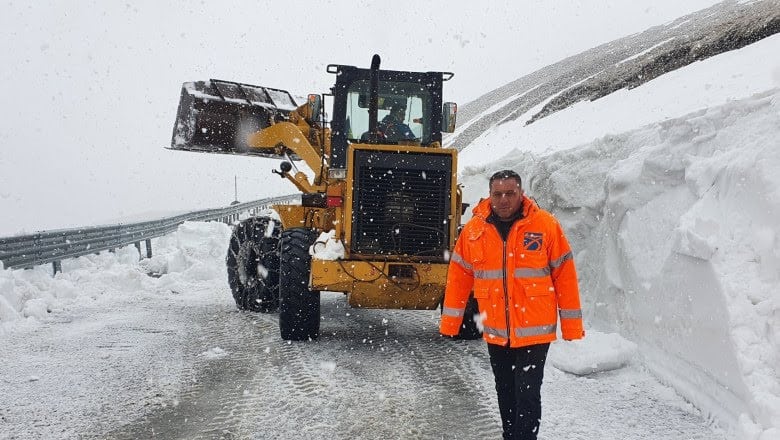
216,116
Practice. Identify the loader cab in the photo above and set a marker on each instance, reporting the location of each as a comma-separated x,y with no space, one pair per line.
418,94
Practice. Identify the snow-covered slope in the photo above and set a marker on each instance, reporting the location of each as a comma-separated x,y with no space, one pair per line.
674,224
625,63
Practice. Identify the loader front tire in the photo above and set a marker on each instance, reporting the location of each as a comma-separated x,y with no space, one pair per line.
253,264
299,307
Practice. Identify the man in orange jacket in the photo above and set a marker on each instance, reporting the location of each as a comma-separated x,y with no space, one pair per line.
516,260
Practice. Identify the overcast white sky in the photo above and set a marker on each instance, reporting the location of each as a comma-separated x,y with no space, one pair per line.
75,74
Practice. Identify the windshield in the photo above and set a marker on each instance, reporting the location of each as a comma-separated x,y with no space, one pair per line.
404,112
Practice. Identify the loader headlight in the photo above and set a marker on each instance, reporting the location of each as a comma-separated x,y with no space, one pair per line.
337,173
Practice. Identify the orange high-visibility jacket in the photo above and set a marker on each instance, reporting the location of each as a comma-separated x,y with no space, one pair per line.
522,285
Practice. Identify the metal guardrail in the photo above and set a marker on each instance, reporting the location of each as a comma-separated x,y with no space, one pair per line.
26,251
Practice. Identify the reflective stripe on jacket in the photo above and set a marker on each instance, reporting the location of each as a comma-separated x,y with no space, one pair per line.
523,286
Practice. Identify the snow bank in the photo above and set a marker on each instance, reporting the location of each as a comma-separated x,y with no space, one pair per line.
596,353
677,244
674,223
196,251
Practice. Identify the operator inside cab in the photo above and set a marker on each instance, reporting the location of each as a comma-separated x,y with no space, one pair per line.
403,115
393,126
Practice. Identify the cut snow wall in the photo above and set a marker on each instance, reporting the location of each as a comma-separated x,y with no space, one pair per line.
677,245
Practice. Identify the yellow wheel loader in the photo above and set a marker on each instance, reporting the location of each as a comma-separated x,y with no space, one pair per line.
383,188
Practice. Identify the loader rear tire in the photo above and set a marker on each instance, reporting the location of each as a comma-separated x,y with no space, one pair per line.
299,307
253,264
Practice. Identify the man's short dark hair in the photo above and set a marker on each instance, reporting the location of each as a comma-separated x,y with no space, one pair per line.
506,174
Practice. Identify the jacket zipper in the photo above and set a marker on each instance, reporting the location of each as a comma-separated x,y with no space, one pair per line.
506,300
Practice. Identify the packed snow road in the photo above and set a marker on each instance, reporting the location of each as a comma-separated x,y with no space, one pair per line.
171,364
102,350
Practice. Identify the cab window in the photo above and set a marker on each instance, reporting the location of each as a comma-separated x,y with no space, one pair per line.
406,105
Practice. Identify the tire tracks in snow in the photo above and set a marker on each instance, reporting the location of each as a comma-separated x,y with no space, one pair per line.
371,374
220,380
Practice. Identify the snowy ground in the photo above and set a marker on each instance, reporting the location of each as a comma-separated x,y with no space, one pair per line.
131,356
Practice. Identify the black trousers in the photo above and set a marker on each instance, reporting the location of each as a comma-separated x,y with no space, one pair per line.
519,373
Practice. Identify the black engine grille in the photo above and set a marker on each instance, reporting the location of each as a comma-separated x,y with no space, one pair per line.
401,203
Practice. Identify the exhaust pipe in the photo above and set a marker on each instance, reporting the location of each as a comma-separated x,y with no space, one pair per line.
373,104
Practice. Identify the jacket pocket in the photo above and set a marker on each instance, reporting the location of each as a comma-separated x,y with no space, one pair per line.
481,292
537,288
475,248
482,289
541,304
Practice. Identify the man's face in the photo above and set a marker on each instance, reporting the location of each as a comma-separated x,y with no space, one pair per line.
506,197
